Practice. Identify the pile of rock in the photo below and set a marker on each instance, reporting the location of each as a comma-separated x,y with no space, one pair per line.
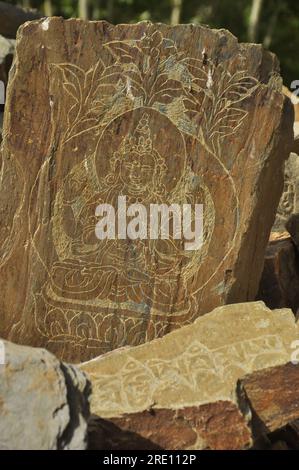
177,353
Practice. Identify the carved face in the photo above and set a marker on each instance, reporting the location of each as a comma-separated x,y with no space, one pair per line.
138,172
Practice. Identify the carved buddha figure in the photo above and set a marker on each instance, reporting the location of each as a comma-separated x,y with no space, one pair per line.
120,269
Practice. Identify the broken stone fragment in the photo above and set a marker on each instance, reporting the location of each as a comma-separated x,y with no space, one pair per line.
273,396
7,48
44,403
180,392
218,425
159,114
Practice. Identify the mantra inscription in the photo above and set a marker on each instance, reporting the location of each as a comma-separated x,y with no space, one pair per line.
147,122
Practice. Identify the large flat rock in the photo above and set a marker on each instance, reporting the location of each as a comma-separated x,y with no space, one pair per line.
180,392
160,114
44,404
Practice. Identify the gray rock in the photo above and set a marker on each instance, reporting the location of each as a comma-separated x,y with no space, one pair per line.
44,403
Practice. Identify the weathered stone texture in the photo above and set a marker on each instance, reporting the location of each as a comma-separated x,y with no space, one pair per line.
217,426
157,113
44,404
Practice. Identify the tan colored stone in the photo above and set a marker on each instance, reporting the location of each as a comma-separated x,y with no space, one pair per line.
180,114
190,375
278,236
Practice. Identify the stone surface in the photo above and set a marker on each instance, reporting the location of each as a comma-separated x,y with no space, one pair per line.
180,392
278,236
156,113
273,396
218,426
279,285
289,202
44,404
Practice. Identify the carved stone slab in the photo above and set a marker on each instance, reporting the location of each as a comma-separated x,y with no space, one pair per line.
180,392
159,114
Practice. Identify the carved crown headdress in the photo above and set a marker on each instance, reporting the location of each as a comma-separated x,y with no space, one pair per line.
141,140
141,143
